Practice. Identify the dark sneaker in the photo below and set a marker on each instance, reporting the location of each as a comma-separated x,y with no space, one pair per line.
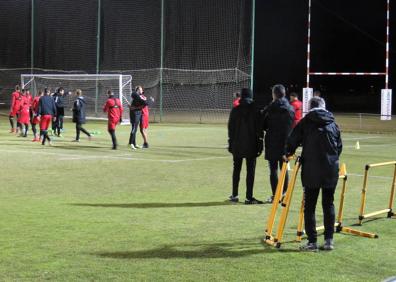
253,201
328,245
309,247
145,146
233,199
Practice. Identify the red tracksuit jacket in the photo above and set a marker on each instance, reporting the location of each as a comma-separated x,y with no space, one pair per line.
113,108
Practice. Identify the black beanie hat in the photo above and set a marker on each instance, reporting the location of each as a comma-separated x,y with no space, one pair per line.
246,93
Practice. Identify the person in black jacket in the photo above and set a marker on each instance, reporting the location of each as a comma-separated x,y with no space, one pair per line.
321,143
278,121
79,106
59,99
135,114
46,111
245,142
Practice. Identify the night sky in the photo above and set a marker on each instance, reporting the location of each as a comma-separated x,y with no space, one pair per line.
347,36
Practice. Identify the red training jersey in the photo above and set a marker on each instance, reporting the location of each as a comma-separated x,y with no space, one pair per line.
29,98
297,105
236,102
113,108
35,104
145,109
16,99
24,110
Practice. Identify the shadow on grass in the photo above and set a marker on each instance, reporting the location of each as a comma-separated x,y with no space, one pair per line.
367,220
193,147
155,205
197,251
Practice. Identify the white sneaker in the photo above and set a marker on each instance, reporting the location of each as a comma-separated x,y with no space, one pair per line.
138,147
133,147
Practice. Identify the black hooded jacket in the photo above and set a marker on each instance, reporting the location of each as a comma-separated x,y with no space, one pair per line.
278,121
79,106
244,134
321,143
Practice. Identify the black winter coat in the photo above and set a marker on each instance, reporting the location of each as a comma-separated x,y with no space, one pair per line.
321,143
245,139
60,104
79,107
46,106
278,121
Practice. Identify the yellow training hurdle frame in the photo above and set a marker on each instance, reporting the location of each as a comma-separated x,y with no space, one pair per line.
389,210
338,224
276,240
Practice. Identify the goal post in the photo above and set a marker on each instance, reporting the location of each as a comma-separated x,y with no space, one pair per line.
93,86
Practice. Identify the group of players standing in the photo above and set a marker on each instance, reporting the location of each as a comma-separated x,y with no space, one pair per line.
46,108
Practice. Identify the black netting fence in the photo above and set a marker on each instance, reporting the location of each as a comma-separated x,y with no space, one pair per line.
190,55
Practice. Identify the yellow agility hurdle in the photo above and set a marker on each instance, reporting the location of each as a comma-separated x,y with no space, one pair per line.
338,224
389,210
276,240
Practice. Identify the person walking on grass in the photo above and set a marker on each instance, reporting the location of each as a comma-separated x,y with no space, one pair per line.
79,119
245,141
113,108
16,98
321,148
278,120
36,117
135,114
297,106
46,111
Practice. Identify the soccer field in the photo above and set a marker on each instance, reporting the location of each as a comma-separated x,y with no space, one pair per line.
80,211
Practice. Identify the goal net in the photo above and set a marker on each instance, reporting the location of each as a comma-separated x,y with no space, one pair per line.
94,88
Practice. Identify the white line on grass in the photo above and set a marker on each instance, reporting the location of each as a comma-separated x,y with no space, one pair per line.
74,157
363,138
371,176
87,158
369,145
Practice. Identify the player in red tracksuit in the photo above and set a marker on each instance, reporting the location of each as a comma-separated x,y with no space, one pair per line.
46,110
237,98
24,114
113,108
144,120
36,117
297,105
15,107
30,99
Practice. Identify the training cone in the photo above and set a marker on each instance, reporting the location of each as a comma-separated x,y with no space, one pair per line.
357,146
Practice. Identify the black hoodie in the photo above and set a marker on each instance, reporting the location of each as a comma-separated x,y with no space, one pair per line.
320,138
244,136
79,106
278,121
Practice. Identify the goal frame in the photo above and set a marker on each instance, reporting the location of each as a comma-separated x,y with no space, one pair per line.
27,79
386,93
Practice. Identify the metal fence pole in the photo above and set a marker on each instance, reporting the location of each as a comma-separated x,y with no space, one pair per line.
32,38
97,55
162,59
252,44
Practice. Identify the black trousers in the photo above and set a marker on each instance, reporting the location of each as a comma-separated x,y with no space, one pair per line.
59,123
135,117
310,200
79,128
250,171
274,166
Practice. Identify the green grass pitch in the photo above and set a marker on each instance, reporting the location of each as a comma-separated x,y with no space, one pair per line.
82,212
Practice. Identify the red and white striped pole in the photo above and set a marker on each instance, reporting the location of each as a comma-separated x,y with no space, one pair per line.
308,92
387,45
386,94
